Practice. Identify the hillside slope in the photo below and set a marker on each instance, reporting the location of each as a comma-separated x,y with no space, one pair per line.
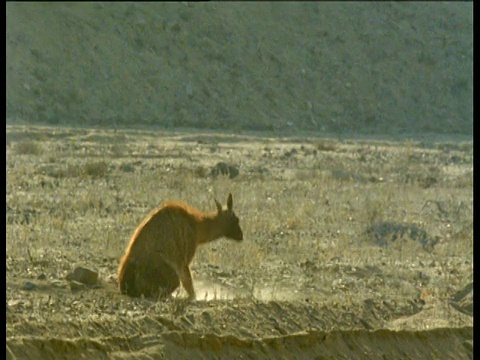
323,67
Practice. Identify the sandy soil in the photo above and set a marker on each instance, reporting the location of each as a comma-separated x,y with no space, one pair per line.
323,272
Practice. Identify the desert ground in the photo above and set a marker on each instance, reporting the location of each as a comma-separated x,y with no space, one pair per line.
343,131
353,248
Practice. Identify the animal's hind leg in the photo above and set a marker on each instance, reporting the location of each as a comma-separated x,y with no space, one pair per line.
166,278
187,282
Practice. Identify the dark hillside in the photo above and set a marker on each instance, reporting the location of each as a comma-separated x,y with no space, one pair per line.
321,66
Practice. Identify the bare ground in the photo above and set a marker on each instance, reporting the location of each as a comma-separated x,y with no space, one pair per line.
353,248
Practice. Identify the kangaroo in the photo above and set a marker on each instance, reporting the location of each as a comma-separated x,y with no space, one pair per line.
162,247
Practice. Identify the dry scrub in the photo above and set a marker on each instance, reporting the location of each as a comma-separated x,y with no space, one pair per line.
339,234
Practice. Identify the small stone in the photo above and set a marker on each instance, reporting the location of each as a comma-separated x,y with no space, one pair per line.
29,286
83,275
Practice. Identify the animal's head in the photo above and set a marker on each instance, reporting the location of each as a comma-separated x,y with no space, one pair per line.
229,221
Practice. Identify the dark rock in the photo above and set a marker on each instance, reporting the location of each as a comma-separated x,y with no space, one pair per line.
29,286
83,275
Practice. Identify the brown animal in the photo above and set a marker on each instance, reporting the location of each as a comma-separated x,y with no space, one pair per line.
160,251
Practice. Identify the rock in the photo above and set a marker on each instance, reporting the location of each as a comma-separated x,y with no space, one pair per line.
83,275
29,286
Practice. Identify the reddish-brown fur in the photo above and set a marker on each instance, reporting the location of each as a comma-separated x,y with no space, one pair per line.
162,247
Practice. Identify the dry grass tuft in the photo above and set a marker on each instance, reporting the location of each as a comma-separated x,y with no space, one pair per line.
28,147
326,145
97,169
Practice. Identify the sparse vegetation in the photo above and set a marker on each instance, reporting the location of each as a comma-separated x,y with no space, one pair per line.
320,236
28,147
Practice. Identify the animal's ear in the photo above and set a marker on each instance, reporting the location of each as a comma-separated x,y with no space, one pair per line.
219,206
229,202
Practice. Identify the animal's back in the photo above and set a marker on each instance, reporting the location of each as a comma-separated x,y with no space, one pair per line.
161,245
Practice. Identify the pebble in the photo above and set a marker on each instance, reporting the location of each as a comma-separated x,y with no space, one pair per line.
29,286
83,275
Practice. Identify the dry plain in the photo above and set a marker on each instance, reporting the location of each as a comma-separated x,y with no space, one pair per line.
353,248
